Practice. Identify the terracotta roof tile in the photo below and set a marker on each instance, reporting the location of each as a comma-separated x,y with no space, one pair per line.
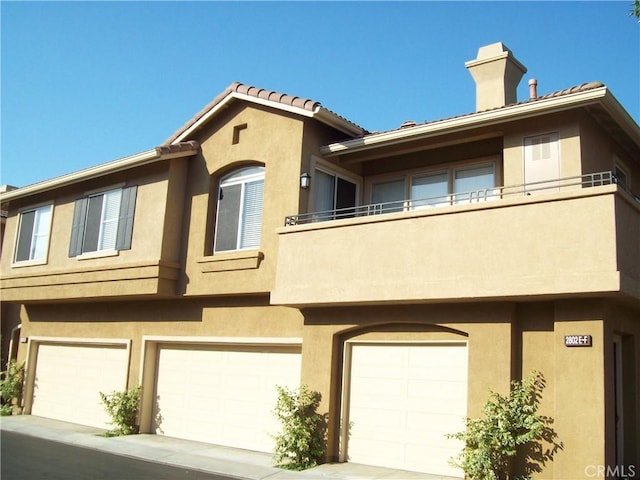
583,87
192,146
263,94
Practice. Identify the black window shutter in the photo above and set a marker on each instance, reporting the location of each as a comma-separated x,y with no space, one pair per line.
77,228
125,220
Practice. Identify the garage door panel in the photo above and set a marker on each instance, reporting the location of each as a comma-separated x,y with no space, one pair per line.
431,430
399,417
440,373
69,377
372,419
437,397
440,406
382,355
434,388
440,357
376,392
431,435
229,395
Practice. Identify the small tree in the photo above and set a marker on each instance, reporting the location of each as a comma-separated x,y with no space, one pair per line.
510,427
11,387
123,408
301,442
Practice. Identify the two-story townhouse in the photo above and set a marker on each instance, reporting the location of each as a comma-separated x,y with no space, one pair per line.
157,269
402,274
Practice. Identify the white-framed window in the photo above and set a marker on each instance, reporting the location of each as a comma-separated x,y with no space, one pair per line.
474,183
239,210
430,190
103,221
461,183
34,227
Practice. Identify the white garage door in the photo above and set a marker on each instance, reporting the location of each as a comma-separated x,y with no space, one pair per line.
223,395
68,380
403,400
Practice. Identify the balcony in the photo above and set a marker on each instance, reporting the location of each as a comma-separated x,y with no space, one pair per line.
460,198
556,238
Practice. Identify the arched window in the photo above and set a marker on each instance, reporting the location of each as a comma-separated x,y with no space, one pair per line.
239,212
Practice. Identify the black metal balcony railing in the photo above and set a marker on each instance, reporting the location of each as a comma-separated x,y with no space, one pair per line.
475,196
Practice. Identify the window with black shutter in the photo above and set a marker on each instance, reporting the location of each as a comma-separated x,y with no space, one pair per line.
103,221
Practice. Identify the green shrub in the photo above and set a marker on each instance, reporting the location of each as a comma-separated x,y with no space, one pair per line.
123,408
510,431
301,442
11,387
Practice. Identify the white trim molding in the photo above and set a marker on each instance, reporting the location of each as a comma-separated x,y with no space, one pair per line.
489,117
136,160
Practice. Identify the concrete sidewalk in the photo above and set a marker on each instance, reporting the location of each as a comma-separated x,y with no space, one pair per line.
243,464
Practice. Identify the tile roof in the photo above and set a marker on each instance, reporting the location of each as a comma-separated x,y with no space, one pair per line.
593,96
263,94
270,95
583,87
191,146
163,152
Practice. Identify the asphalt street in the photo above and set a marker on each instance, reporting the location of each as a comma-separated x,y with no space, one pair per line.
25,457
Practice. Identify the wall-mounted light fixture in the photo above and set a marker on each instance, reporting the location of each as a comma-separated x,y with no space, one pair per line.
305,180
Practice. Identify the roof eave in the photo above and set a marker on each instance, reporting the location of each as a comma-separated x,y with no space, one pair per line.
223,104
322,114
331,119
490,117
622,117
139,159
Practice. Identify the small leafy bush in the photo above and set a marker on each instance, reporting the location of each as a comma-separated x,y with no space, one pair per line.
123,408
301,442
11,387
509,430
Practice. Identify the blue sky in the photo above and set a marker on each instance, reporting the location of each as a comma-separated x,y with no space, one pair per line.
84,83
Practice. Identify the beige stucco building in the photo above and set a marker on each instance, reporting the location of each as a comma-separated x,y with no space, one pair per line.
402,274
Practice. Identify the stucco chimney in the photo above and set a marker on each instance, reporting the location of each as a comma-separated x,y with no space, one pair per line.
497,74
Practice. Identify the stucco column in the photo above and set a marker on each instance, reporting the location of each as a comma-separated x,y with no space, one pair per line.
490,362
320,364
579,418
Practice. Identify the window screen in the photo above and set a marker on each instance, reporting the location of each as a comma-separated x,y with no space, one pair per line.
33,234
239,210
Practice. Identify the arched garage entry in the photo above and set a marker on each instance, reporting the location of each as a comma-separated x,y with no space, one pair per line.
403,391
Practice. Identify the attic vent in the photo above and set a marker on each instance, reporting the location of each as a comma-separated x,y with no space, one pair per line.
408,123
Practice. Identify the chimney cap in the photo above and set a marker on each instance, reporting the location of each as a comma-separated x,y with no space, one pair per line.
493,52
496,73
